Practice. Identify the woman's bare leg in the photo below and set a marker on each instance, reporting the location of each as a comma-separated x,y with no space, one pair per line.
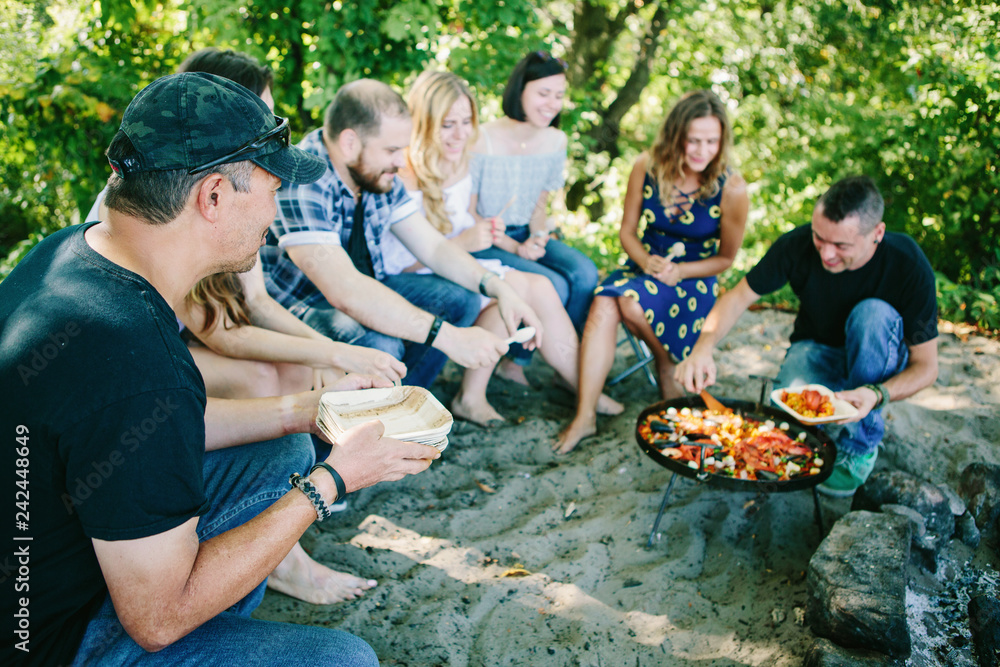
636,321
226,377
470,402
294,378
511,370
597,354
560,346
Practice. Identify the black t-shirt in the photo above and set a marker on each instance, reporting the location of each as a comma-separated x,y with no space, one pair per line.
103,416
898,273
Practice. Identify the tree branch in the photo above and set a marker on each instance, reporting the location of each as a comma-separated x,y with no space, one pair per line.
628,95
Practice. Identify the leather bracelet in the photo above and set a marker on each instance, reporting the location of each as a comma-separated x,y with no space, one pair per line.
485,279
881,392
337,479
435,330
306,487
885,395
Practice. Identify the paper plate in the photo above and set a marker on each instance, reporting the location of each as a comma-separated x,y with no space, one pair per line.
841,409
408,413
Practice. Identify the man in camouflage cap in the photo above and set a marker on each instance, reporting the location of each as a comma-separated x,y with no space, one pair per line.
138,546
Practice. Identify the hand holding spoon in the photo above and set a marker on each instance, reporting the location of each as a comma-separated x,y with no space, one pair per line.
676,250
521,336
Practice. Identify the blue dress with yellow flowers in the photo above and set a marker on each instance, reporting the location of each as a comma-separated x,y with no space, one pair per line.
676,313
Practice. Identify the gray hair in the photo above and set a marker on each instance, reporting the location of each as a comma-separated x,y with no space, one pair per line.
159,196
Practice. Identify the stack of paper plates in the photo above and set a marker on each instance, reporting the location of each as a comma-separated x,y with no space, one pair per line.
408,413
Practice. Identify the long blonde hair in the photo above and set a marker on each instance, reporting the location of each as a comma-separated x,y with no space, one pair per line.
221,295
432,96
667,155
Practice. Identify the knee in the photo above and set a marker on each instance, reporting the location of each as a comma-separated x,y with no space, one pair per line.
580,270
260,380
346,649
584,273
561,285
631,311
871,314
295,452
538,289
604,312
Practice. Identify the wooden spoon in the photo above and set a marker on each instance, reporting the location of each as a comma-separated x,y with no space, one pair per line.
712,403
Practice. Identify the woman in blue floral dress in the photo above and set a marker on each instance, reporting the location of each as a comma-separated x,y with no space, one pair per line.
694,207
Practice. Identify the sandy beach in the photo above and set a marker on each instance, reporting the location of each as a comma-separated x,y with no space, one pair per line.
505,554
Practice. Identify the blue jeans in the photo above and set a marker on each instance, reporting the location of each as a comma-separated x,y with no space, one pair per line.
433,294
240,482
570,271
874,352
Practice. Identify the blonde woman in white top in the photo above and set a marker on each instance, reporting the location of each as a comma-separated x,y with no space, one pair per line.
445,121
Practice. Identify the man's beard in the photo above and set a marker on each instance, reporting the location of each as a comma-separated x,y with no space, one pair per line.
368,181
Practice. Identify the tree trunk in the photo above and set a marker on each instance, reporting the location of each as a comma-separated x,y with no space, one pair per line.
593,38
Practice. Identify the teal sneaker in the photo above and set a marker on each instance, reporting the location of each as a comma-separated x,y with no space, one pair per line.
849,472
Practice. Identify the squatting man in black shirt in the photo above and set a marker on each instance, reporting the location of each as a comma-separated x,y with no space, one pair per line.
867,323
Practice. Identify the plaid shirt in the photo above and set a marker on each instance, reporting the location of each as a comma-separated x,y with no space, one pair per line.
322,213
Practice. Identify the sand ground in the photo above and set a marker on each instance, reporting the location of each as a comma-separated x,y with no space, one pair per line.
505,554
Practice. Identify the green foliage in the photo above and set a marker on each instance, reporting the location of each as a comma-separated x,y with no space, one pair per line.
961,303
901,90
62,110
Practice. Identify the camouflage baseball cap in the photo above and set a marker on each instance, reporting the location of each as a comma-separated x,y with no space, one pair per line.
197,121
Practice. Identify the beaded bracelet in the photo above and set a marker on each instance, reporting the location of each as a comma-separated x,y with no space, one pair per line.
337,479
306,487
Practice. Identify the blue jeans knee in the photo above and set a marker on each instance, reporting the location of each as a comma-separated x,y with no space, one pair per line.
875,350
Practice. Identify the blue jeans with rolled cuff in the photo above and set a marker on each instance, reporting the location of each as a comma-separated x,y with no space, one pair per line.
433,294
240,483
873,353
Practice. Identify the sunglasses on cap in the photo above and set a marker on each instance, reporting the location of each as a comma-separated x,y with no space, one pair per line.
281,132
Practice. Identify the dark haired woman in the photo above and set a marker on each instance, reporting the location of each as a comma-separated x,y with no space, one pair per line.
517,162
695,210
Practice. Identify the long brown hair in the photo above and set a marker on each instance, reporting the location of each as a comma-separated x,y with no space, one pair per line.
432,97
667,163
222,297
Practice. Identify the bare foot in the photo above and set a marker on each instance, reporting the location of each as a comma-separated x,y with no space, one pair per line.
299,576
608,406
508,370
571,436
476,411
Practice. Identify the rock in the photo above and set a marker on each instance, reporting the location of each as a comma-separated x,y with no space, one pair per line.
954,500
979,487
967,531
984,621
857,583
915,517
824,653
896,487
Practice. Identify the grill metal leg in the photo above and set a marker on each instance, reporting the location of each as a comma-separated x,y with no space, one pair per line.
819,514
663,507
